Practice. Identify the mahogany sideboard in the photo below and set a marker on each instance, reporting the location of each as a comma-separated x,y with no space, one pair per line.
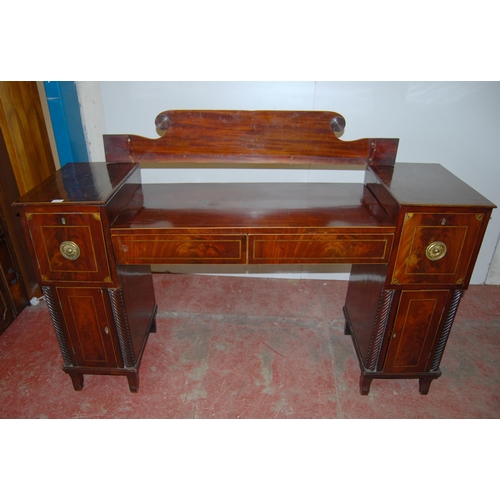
412,233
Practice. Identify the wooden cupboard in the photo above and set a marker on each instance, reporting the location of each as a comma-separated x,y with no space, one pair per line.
25,160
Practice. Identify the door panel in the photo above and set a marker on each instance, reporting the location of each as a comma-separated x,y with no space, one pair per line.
415,328
89,324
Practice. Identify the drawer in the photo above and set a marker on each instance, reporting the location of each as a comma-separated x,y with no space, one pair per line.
437,248
69,247
161,248
320,248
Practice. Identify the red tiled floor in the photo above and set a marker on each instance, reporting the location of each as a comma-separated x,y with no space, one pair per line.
230,347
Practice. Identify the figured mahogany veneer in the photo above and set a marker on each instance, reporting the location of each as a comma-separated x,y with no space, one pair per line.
353,248
458,232
411,344
252,224
250,137
49,231
412,233
87,315
102,314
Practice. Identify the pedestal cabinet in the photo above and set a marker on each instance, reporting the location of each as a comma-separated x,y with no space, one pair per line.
102,313
400,330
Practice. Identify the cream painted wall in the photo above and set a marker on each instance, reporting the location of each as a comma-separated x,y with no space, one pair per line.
456,124
92,113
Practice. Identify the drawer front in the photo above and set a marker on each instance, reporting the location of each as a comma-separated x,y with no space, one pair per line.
436,248
320,248
179,249
69,247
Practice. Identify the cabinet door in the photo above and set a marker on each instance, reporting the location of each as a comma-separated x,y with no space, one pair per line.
89,326
416,326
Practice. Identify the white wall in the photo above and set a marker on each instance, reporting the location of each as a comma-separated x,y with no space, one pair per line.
456,124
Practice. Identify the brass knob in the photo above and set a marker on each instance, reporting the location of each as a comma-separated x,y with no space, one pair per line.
337,124
70,250
436,250
162,121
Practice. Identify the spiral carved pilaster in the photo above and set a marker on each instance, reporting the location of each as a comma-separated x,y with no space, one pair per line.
379,327
122,326
56,322
452,311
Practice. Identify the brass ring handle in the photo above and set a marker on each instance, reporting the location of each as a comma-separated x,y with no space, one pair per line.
70,250
436,250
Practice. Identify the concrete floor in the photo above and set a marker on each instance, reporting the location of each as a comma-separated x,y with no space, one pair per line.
252,348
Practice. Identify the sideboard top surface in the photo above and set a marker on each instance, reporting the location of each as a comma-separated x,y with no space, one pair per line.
428,184
252,205
80,183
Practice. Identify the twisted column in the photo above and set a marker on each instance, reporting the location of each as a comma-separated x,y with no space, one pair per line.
122,326
56,321
457,295
379,328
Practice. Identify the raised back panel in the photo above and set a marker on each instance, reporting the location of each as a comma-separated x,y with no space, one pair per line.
290,137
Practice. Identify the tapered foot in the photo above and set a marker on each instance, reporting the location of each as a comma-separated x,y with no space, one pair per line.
152,329
133,382
77,379
347,330
424,385
364,384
